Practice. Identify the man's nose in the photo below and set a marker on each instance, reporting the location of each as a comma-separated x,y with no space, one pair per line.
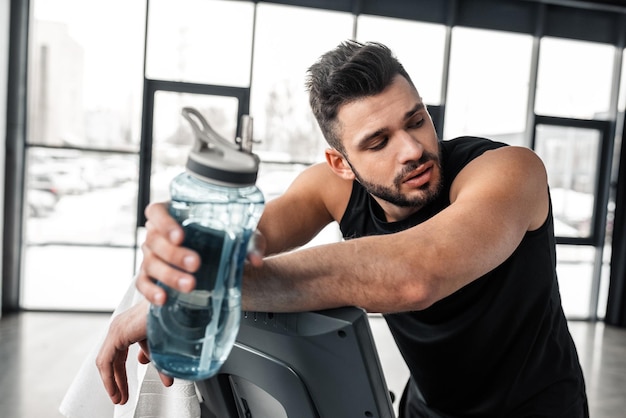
409,147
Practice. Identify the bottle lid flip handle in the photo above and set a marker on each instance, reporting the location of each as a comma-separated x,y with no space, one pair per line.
215,159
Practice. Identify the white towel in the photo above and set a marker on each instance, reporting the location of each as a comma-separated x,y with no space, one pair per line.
148,398
156,400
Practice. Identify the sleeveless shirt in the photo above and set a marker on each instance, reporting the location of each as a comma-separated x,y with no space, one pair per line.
499,346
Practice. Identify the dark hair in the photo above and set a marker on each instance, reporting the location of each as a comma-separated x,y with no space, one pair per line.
351,71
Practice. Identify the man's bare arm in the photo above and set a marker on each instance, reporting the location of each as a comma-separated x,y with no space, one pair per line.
496,199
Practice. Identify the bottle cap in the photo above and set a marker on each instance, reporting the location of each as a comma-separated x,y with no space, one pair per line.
215,159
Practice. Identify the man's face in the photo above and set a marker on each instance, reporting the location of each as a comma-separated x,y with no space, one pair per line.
392,149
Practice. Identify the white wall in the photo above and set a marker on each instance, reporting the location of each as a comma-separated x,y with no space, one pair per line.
4,62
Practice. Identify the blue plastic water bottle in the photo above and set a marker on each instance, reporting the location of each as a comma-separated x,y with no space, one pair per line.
218,205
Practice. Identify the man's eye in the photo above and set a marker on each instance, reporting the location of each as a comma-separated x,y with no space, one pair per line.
416,124
379,144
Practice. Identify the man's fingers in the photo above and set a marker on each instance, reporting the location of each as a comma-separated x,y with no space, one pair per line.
144,358
159,218
167,381
164,259
160,246
121,380
115,386
110,385
144,353
158,270
172,269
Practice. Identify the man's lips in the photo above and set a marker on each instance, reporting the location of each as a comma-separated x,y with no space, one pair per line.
419,176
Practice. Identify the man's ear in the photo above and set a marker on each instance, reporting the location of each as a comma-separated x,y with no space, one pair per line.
339,164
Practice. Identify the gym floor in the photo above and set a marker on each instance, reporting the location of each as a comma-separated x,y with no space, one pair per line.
41,352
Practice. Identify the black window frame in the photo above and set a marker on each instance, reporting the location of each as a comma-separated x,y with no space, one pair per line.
602,180
242,94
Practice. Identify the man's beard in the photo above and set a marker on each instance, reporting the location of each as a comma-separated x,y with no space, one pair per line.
393,195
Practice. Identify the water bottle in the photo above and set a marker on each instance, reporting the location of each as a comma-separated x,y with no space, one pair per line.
218,205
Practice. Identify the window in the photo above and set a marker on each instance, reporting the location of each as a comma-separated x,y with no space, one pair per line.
574,79
571,159
288,40
173,135
79,236
80,197
200,41
76,96
83,153
575,272
418,46
488,85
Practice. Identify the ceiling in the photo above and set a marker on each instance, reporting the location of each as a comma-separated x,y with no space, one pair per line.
612,5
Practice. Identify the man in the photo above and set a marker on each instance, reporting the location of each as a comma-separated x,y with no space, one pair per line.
452,241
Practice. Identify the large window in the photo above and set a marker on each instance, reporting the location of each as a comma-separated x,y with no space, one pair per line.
488,87
79,92
82,156
571,155
574,79
91,164
200,41
173,136
419,46
574,98
288,40
571,158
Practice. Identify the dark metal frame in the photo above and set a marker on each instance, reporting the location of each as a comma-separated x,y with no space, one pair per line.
15,150
563,18
605,154
150,87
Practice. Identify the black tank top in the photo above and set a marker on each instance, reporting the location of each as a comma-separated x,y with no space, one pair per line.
498,347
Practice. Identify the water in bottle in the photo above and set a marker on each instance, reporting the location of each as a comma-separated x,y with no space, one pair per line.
218,206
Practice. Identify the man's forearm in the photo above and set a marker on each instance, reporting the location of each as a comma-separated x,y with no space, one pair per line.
351,273
284,284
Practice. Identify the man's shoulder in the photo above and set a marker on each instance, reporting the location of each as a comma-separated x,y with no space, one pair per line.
322,187
458,152
322,174
470,144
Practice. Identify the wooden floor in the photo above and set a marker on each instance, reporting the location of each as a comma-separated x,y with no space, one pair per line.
40,354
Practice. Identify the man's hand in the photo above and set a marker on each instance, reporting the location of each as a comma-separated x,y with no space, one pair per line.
166,261
126,329
163,257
